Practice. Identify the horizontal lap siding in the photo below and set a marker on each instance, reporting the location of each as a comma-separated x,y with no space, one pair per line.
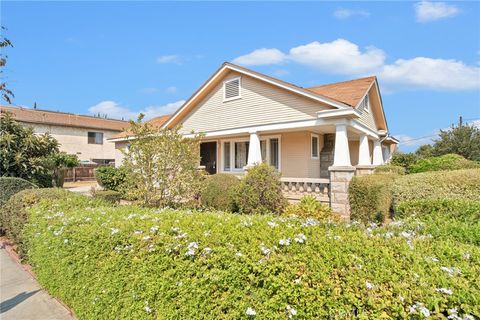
260,104
366,117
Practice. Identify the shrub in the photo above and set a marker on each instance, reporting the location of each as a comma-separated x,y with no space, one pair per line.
109,196
135,263
370,197
111,178
388,168
457,184
403,159
217,192
14,216
445,162
309,207
10,185
458,220
260,191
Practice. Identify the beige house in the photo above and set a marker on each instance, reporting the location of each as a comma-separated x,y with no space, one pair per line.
85,136
318,137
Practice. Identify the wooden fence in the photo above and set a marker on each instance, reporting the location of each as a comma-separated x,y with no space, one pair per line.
82,173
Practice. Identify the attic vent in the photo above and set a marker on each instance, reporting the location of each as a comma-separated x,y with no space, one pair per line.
231,89
366,104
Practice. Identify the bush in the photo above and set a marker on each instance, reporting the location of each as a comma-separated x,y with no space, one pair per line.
388,168
370,197
135,263
404,159
309,207
10,185
446,162
109,196
111,178
457,184
14,216
458,220
217,192
260,191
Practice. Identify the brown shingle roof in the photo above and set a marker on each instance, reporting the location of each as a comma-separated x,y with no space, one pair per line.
156,122
36,116
348,92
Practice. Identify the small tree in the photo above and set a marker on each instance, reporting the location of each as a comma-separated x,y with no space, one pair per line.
425,151
462,139
55,165
161,165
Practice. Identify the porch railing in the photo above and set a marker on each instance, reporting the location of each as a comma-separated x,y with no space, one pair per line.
295,188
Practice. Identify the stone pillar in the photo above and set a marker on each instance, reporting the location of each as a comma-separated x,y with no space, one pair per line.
254,152
377,153
341,156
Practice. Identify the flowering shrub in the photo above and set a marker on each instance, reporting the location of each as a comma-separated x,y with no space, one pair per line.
137,263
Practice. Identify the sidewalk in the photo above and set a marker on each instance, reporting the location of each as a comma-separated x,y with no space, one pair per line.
21,296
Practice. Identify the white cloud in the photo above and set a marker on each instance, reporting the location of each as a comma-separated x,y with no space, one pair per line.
114,110
431,73
280,72
408,141
169,59
262,56
171,89
348,13
427,11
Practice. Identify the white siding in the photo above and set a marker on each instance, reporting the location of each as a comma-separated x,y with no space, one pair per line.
366,117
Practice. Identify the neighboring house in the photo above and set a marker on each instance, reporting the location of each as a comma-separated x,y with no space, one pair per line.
85,136
318,137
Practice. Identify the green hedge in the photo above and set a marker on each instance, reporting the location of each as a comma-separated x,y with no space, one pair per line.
457,184
11,185
217,192
109,196
134,263
445,162
111,178
309,207
370,197
388,168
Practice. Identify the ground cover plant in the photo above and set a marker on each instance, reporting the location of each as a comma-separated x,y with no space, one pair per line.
139,263
445,162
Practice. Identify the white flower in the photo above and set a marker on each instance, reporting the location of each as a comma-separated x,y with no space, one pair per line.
407,234
451,271
146,238
419,306
300,238
250,312
433,259
238,254
272,224
58,232
424,311
192,246
207,250
466,255
444,290
147,308
246,223
291,312
389,234
138,232
265,250
284,242
65,241
310,222
154,229
114,230
401,298
369,285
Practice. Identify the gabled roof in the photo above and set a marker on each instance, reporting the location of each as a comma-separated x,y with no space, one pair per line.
348,92
47,117
156,122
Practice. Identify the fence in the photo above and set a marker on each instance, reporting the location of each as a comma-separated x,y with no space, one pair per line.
83,173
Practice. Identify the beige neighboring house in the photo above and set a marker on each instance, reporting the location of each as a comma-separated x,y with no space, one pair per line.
318,137
85,136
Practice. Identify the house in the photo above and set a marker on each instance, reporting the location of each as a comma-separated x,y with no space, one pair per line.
85,136
318,137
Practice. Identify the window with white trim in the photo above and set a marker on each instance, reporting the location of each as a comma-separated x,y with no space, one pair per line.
231,89
314,146
235,153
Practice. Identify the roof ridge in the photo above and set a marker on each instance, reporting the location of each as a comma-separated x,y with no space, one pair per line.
340,82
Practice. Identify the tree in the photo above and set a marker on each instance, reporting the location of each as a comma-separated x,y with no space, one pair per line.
6,93
425,151
462,139
55,165
161,165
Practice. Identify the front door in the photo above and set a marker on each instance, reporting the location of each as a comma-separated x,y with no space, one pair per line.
208,156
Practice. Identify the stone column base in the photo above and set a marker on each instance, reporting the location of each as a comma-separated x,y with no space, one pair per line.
339,181
363,170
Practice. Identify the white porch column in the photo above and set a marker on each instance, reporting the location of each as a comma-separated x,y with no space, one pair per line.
341,156
377,153
364,152
254,152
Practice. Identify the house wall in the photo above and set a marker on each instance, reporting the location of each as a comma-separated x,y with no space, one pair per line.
260,104
354,148
119,146
74,140
367,117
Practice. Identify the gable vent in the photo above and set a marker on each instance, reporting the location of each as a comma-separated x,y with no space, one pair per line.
231,89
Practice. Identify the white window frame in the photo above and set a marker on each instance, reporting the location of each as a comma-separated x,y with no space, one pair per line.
239,89
313,135
366,106
247,139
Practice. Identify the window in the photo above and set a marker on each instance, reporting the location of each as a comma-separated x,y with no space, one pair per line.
274,153
314,146
95,138
241,154
231,89
226,156
235,153
366,103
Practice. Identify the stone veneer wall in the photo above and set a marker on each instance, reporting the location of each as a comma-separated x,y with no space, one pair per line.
326,155
339,182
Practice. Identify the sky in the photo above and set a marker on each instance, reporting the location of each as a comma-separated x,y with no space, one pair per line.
121,58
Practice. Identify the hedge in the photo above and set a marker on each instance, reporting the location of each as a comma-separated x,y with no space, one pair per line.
445,162
111,178
135,263
457,184
217,192
370,197
11,185
388,168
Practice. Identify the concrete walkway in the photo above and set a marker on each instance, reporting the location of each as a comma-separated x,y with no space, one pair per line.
21,296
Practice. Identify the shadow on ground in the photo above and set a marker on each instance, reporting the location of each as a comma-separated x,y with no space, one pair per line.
12,302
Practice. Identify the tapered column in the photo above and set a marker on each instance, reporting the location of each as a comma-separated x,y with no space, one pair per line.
341,156
377,153
254,152
364,152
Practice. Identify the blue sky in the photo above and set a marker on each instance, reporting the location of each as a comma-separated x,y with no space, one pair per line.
121,58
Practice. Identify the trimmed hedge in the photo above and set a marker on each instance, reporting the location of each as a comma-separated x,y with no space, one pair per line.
11,185
445,162
111,178
370,197
109,196
134,263
309,207
388,168
457,184
217,192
